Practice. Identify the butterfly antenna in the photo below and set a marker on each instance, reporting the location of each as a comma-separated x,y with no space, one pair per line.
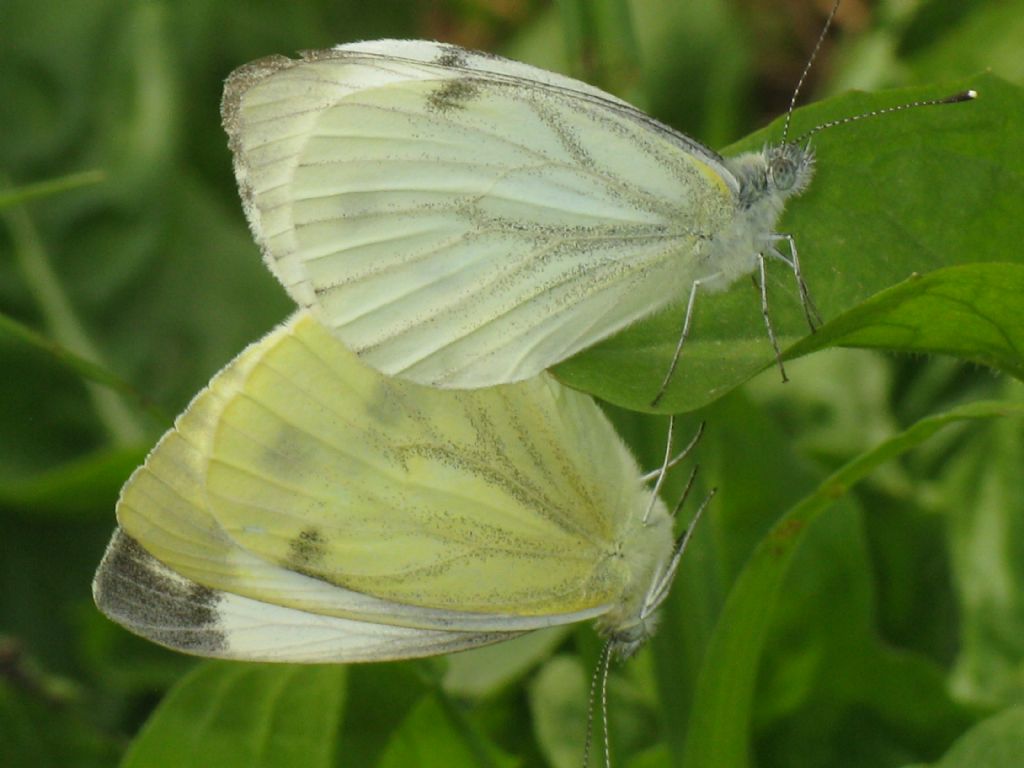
955,98
597,679
606,664
807,68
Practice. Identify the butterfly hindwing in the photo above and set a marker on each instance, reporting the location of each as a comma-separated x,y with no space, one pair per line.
137,590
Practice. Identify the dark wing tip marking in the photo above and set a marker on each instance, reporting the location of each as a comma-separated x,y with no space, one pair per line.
139,592
244,78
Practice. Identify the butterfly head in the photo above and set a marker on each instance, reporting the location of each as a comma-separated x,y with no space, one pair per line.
788,168
772,176
627,641
626,636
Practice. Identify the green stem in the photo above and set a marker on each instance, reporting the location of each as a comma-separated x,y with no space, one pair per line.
50,187
30,254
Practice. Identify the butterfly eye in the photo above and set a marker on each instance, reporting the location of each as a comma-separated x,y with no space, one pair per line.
782,173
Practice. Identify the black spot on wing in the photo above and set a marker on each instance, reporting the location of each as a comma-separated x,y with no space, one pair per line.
291,448
139,592
452,56
306,551
453,94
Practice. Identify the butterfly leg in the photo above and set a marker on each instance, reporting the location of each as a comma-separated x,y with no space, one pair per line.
647,477
682,340
659,589
669,462
767,317
793,262
660,474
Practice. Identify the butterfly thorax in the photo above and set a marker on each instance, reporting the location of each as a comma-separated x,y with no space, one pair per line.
766,179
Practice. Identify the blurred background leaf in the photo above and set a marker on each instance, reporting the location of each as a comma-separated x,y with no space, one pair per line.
895,637
257,716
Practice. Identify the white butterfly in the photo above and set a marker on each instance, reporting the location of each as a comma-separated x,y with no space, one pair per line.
307,508
463,220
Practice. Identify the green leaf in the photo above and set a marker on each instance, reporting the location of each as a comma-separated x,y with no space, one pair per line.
657,757
717,730
972,312
434,736
986,539
256,716
997,742
558,699
481,671
386,694
900,195
986,36
601,44
80,488
43,732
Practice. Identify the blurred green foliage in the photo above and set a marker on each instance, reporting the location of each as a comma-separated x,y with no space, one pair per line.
854,597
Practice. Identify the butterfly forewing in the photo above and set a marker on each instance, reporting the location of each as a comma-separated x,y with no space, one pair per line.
464,220
473,501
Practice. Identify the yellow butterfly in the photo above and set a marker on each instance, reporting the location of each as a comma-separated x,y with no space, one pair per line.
307,508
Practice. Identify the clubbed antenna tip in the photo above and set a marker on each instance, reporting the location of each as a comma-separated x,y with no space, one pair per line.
962,96
956,98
